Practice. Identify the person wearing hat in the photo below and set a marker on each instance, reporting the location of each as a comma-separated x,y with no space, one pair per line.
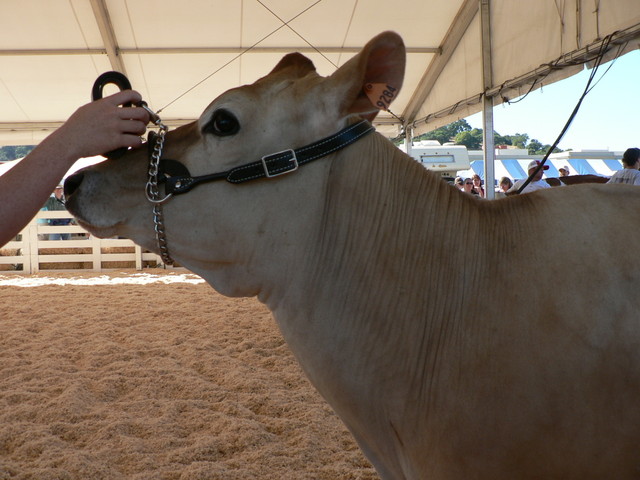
564,171
536,182
93,129
55,203
630,174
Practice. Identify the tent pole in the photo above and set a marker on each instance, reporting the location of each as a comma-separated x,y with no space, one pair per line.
488,146
408,138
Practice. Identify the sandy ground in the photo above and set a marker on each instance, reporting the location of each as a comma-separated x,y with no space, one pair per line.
155,376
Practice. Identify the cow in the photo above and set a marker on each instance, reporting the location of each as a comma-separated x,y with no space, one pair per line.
575,180
456,337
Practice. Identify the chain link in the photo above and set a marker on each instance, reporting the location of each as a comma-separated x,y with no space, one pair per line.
151,189
153,192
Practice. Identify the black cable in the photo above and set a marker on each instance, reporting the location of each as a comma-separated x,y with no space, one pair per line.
604,46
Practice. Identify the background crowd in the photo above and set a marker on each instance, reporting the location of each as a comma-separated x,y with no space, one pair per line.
629,174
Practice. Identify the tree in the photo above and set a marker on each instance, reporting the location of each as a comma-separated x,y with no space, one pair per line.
447,133
8,152
461,133
24,150
534,146
472,139
537,148
12,152
518,140
500,140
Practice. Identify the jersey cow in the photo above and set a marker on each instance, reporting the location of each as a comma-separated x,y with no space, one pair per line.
457,338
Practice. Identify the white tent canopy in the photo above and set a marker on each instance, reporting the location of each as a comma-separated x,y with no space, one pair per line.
181,55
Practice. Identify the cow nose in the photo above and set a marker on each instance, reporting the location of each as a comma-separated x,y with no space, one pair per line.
72,183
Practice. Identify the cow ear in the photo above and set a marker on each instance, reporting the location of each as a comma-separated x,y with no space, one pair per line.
298,64
371,80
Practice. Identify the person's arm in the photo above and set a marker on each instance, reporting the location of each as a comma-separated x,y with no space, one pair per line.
515,187
93,129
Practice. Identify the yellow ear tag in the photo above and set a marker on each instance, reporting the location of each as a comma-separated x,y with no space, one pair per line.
380,94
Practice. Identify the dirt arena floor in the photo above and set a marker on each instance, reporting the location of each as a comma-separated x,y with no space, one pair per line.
154,375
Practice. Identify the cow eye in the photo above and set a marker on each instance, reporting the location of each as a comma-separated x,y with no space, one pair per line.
222,123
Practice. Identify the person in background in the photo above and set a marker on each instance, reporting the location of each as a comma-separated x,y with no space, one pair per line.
564,171
536,182
630,174
468,187
477,185
93,129
505,184
55,203
459,183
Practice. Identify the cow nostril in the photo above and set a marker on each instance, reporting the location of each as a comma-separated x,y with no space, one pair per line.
72,183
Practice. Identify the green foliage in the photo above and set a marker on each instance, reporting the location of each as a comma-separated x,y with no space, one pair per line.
461,133
518,140
537,148
23,150
500,140
12,152
534,146
447,133
472,139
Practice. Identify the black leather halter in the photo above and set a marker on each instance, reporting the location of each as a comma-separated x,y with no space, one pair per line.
177,179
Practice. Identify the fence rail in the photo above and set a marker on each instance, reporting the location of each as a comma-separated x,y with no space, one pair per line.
33,251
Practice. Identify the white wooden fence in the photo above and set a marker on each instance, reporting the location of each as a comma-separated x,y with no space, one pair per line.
32,252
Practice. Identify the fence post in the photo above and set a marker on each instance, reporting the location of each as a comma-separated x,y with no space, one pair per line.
34,252
25,249
96,253
138,252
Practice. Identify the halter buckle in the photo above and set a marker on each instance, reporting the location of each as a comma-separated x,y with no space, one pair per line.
279,163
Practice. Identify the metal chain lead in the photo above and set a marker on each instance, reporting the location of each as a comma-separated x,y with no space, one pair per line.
151,190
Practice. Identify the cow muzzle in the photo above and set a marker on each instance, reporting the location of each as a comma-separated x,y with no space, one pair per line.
86,204
72,183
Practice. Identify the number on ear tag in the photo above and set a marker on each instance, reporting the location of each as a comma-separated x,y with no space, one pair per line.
380,94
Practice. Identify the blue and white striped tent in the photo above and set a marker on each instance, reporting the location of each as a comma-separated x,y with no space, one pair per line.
516,168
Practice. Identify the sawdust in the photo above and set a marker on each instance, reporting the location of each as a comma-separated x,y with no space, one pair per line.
127,378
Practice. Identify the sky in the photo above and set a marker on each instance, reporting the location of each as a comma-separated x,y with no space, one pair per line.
609,118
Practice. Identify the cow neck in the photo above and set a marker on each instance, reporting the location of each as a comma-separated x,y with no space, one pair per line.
177,179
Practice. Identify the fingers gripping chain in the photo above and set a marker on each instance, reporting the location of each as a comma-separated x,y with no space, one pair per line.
152,192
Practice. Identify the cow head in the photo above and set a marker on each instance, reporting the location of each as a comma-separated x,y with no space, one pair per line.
221,230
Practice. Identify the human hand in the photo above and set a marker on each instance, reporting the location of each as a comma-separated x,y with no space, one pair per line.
103,125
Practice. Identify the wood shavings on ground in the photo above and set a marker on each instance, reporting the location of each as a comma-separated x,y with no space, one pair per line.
154,375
